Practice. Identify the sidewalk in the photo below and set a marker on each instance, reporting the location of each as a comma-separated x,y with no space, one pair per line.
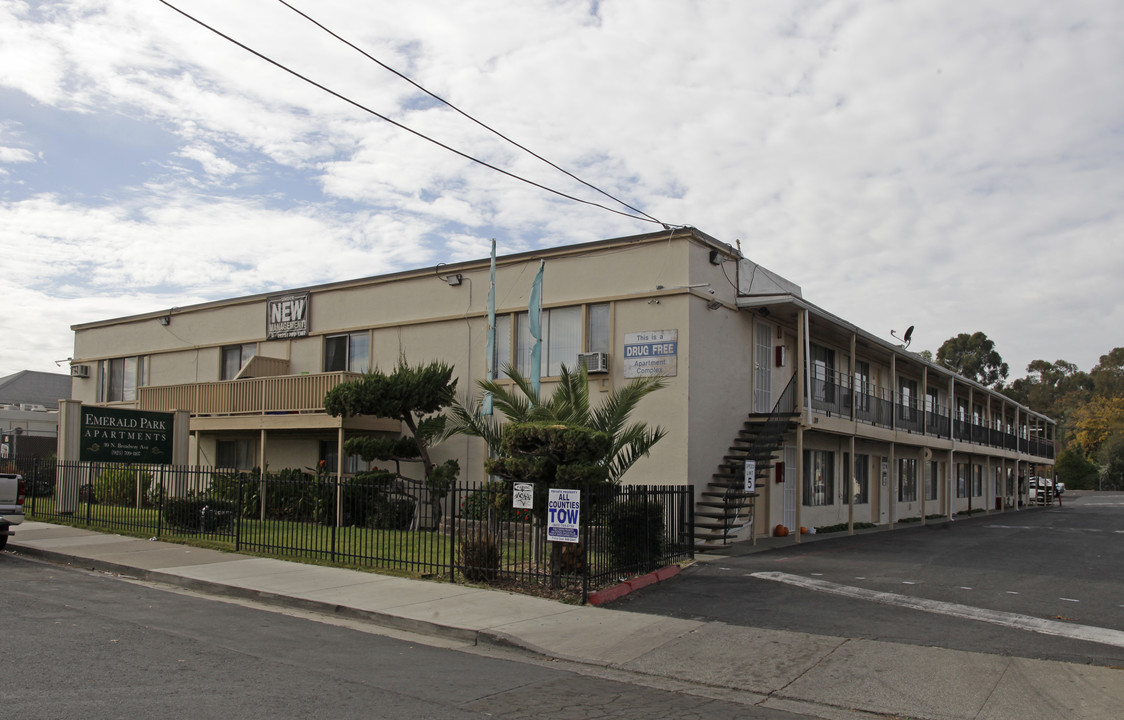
820,676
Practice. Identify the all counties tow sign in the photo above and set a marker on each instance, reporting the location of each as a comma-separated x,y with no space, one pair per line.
127,436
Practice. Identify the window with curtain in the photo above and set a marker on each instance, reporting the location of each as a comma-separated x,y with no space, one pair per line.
932,480
819,478
823,373
119,378
862,384
351,463
349,352
235,454
961,480
861,488
907,480
234,357
562,335
907,393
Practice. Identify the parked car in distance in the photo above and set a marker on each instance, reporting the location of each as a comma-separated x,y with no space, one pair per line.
12,490
1041,490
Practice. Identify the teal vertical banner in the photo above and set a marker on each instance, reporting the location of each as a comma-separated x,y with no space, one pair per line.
534,313
490,347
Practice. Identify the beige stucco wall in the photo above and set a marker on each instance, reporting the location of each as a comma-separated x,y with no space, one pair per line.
420,317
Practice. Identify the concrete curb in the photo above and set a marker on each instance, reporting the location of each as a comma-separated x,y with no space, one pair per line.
376,617
600,597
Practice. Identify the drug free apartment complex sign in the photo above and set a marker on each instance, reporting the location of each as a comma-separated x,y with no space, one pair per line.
651,353
126,436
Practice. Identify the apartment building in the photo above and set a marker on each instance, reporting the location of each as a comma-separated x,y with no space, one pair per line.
839,425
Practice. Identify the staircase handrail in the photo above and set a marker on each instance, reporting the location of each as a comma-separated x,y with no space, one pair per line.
778,419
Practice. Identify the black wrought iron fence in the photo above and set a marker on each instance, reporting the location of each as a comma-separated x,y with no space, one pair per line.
468,532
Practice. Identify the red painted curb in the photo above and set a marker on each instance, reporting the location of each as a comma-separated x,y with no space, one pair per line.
616,592
643,581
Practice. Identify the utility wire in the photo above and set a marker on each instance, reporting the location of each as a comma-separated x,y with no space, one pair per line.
442,100
399,125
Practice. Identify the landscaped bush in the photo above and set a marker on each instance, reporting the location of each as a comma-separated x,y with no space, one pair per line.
497,497
636,535
843,526
118,484
394,512
198,514
479,557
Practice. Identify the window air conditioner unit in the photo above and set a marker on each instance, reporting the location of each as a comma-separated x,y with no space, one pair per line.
595,362
80,371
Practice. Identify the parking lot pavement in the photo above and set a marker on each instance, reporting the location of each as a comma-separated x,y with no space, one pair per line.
1045,577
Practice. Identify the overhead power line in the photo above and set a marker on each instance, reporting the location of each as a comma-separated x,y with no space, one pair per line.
453,107
642,216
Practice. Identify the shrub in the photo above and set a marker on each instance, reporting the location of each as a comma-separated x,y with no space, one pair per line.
118,485
392,512
198,514
497,496
843,526
479,557
636,535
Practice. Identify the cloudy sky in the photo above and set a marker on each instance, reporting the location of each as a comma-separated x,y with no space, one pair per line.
957,166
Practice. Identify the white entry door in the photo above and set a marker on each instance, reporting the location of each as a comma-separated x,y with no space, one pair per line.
763,368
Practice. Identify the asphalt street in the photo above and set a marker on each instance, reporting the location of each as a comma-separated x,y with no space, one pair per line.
1061,565
91,645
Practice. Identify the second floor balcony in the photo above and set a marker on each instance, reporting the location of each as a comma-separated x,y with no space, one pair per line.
285,394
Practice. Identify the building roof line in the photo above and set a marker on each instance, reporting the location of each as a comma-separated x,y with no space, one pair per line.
753,302
445,268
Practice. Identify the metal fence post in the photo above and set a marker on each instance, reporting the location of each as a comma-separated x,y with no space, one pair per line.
586,514
691,520
160,504
336,521
453,534
238,521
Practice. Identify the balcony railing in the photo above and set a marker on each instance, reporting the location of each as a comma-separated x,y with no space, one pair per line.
909,418
937,422
831,392
874,405
254,396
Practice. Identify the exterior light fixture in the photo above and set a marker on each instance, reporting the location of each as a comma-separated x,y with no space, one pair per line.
454,279
165,320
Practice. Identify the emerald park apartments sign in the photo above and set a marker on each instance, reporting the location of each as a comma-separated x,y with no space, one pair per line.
129,436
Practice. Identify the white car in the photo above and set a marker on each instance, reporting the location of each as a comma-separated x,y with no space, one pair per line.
1041,490
12,492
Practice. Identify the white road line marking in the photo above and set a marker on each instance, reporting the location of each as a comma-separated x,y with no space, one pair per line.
962,587
1069,599
907,582
818,574
1088,633
1012,592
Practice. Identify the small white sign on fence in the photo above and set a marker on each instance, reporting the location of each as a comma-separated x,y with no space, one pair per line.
563,512
523,496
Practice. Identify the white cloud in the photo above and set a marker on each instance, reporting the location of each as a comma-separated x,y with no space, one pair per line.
906,163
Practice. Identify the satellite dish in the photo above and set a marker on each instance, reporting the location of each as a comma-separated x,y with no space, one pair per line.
904,338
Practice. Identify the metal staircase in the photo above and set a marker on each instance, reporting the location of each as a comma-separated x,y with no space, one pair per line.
725,508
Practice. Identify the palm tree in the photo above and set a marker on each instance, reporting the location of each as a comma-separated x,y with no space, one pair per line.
567,405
